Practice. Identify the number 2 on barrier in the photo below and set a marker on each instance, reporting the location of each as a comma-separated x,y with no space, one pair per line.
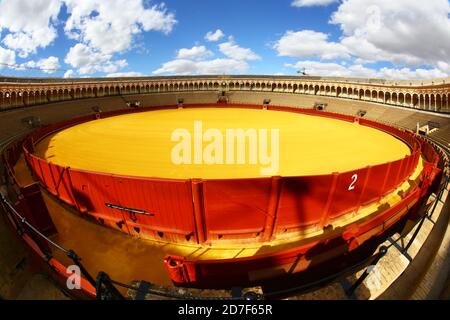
352,185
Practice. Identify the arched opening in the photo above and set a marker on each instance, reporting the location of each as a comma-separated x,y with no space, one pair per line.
433,102
289,88
322,90
13,99
37,97
31,98
7,99
316,90
444,102
279,87
333,91
380,96
408,100
415,101
394,98
387,97
401,99
25,98
438,102
273,86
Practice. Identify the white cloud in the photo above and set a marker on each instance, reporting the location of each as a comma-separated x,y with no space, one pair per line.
407,32
444,67
7,57
125,74
69,73
194,60
88,60
214,36
407,73
216,66
311,3
50,64
31,24
308,43
109,26
331,69
233,51
194,53
47,65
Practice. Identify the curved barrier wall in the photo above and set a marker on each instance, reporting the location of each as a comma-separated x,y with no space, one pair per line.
199,211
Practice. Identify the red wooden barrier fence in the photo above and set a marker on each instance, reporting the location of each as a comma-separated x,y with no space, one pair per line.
213,210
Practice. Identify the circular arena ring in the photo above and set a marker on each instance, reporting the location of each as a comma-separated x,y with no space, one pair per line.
340,183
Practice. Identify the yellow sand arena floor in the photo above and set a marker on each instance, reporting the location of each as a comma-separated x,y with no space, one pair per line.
140,144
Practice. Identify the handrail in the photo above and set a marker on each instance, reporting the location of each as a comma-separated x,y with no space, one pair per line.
68,252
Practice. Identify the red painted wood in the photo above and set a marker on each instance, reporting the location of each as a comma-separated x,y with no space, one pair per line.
302,202
236,208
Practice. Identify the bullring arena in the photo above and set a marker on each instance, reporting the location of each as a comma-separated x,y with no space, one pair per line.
354,205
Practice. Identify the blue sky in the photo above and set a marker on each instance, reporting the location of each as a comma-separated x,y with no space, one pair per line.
87,38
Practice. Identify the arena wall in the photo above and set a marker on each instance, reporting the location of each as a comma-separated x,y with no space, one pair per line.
434,97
